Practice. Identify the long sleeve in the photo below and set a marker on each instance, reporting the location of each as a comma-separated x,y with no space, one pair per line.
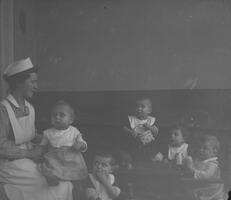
84,146
7,144
208,172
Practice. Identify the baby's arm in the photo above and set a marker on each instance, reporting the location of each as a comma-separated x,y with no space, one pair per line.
152,128
80,144
112,191
129,131
91,194
89,190
207,173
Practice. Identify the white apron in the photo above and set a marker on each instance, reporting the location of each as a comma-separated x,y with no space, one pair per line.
22,179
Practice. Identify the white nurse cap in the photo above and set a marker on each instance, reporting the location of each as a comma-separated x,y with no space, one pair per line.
18,66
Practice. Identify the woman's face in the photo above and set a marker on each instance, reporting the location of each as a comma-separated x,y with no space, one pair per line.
30,85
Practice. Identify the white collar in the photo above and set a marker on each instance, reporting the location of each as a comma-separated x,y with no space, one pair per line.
11,98
180,147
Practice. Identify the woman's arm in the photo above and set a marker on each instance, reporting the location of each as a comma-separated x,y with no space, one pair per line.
38,138
8,148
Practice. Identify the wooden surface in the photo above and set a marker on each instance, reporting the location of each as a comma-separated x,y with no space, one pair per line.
159,181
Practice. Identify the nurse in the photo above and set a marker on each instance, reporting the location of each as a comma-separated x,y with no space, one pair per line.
20,178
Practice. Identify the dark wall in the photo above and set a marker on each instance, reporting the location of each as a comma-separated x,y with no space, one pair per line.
24,30
207,108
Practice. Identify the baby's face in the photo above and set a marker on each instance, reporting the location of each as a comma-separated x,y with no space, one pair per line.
177,138
102,164
61,117
206,151
143,109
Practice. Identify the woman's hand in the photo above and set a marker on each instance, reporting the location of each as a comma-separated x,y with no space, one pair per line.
52,180
35,153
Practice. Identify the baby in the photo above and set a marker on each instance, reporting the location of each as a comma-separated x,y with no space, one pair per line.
205,166
177,149
141,125
100,183
64,160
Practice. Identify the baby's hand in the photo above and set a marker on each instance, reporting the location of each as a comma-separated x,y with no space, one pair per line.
188,162
146,137
147,126
130,131
91,193
159,157
78,145
152,128
102,176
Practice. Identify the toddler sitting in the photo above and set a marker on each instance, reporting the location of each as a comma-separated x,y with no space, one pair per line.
64,160
141,126
177,149
100,184
205,166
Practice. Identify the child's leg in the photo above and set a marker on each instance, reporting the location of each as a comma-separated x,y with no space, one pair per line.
148,151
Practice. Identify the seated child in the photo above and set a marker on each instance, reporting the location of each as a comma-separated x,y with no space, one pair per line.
205,166
64,160
141,126
177,149
100,183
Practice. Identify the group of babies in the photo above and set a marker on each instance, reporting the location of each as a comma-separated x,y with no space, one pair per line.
202,161
64,161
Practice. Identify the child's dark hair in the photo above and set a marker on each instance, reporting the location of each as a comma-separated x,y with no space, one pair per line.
105,154
65,103
184,130
144,98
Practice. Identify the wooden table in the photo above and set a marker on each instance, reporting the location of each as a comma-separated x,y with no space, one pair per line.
153,181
